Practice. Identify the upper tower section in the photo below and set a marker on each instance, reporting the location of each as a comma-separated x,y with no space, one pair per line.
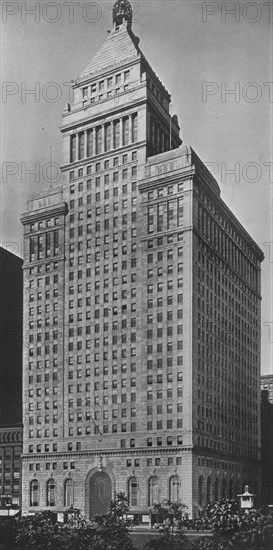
117,83
122,11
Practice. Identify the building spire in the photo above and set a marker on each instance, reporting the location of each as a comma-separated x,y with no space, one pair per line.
122,11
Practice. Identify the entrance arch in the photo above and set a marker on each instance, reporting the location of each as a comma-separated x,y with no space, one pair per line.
99,493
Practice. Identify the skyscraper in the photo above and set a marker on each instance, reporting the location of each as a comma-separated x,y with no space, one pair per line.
142,308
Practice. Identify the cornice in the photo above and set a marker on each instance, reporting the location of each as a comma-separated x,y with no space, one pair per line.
218,455
43,213
227,212
68,455
160,180
107,114
60,258
107,71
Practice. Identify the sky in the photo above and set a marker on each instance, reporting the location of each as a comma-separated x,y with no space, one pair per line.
215,62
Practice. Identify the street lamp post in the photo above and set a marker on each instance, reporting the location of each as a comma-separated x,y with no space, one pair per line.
246,500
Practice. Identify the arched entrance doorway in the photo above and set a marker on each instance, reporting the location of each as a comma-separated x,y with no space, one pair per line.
100,493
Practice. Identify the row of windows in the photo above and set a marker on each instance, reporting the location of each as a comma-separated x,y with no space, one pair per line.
158,137
103,138
105,84
150,442
133,491
208,269
161,241
43,224
165,216
96,182
210,490
105,165
43,246
228,227
231,272
105,196
164,191
51,466
44,267
157,94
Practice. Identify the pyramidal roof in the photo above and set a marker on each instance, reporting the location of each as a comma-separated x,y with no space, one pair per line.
120,46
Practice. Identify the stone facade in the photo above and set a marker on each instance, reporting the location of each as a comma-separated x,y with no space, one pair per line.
138,280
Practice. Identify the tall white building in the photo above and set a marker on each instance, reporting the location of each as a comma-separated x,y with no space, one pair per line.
142,308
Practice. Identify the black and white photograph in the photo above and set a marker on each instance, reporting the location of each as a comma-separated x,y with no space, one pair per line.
136,254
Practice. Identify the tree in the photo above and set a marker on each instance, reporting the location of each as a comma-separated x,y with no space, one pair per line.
42,531
234,529
172,515
112,529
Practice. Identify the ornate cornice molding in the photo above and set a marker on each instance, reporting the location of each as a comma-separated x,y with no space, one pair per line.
106,454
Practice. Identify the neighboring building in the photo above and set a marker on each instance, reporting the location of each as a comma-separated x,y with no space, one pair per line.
11,430
267,438
11,321
267,385
141,310
11,447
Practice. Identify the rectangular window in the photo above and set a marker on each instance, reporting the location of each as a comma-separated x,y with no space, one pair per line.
179,211
134,128
160,215
116,133
125,132
107,137
98,140
90,148
81,146
73,148
170,214
150,219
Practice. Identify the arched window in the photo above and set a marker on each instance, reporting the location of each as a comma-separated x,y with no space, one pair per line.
153,491
216,490
51,493
68,492
208,490
200,491
34,493
174,489
133,491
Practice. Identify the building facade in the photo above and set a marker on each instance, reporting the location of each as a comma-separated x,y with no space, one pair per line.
267,438
267,385
11,447
142,308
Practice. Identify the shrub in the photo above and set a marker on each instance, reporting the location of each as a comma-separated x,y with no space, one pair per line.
42,532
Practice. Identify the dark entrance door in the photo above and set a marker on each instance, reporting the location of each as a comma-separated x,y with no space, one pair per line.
100,493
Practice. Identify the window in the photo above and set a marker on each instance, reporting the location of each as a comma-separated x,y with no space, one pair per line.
116,136
68,492
133,491
200,491
51,493
34,493
153,491
174,489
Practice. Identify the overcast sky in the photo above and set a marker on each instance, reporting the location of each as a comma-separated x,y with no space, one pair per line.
199,52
